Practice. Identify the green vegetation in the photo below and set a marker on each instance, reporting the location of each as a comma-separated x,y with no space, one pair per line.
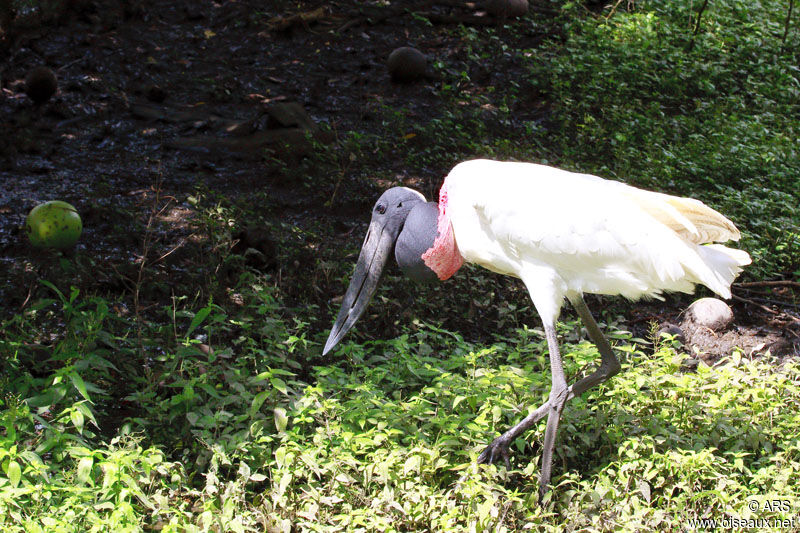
719,122
115,418
251,436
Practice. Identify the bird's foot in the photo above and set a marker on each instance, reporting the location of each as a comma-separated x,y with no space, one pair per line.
494,451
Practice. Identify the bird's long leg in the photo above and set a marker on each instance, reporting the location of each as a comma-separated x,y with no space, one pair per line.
559,394
609,366
558,398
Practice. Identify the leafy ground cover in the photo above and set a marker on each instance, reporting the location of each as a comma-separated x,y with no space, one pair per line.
174,398
385,438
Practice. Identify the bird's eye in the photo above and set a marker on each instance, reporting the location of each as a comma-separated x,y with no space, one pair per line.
380,208
400,204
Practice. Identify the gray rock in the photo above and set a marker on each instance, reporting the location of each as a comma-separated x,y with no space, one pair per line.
672,329
507,8
406,64
40,84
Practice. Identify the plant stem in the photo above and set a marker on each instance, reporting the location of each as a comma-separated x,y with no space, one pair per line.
697,26
786,25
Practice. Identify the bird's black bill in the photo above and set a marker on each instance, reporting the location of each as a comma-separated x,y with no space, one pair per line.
377,248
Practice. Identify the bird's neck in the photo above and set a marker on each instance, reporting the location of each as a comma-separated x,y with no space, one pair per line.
443,257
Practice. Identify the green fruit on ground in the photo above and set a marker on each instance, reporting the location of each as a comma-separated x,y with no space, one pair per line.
53,224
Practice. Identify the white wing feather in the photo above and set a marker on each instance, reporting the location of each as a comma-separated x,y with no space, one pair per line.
565,232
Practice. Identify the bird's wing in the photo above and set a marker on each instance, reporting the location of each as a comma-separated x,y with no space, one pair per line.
691,219
598,235
561,222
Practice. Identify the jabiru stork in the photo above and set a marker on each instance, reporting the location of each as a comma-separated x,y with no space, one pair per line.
563,234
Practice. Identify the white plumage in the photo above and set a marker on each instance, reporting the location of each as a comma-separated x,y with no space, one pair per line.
562,233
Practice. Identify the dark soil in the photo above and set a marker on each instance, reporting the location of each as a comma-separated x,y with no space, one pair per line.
160,103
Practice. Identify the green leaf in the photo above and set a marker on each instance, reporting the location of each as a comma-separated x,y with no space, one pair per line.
281,420
14,473
77,419
55,290
85,470
79,384
644,489
258,401
87,413
458,400
198,319
279,384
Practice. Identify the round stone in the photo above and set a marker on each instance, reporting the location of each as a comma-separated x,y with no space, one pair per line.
406,64
507,8
40,84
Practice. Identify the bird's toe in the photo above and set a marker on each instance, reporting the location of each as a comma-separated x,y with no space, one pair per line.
494,451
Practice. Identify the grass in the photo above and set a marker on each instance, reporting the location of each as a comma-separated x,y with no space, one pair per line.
217,411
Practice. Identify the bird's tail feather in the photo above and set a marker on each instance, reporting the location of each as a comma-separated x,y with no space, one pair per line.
722,265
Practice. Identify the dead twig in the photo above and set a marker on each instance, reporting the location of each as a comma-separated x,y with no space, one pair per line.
377,15
371,16
71,63
173,249
479,5
160,203
613,10
765,308
349,24
27,298
793,318
775,283
302,19
751,302
456,3
770,301
147,243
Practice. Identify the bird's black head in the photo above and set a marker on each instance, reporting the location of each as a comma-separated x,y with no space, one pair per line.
401,220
